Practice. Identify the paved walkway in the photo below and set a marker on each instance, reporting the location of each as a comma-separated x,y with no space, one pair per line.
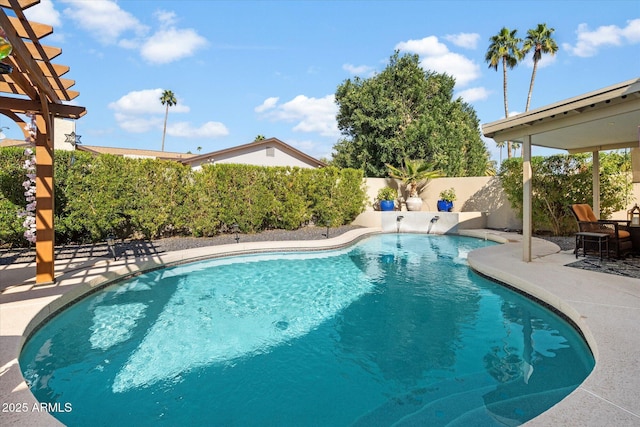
605,307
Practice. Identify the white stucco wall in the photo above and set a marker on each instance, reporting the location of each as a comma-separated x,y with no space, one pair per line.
62,128
473,194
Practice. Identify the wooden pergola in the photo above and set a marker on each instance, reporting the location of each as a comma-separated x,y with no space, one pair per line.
35,86
605,119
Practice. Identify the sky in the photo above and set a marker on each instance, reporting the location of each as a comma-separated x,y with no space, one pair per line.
240,69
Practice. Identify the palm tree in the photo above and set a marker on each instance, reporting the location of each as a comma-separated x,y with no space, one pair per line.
516,146
504,48
501,145
541,41
415,174
168,99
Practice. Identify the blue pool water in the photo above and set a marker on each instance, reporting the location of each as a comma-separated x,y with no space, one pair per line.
395,330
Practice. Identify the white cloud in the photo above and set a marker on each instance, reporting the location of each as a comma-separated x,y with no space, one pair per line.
44,13
589,42
141,111
171,44
632,31
437,57
111,25
166,17
316,149
137,124
103,19
428,46
317,115
360,70
145,102
462,68
208,130
465,40
268,104
474,94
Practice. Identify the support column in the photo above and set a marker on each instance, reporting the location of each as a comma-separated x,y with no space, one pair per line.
45,256
596,183
527,218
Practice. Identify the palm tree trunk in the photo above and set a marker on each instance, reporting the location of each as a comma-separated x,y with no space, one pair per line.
164,130
533,77
506,102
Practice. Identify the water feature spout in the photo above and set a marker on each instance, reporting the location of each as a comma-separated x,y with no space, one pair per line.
431,222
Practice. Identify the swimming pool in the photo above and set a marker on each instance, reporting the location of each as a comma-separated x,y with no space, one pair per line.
394,330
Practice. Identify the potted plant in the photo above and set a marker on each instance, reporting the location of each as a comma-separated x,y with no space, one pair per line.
415,174
447,197
386,198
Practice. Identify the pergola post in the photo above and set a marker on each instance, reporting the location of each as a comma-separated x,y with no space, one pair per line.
527,218
32,85
595,178
45,235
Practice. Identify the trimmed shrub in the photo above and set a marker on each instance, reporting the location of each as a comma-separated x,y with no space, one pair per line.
99,195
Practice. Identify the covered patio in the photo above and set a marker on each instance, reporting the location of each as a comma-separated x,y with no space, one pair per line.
605,119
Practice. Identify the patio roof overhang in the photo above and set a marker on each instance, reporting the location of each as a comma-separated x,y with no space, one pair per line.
604,119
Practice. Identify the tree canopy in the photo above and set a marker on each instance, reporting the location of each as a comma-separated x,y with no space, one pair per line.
406,112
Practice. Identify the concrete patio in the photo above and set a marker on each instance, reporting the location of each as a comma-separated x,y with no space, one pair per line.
605,307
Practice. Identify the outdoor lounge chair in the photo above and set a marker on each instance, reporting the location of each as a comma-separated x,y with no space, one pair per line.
620,243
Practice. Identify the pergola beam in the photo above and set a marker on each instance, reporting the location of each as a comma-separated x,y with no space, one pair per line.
23,106
37,29
22,4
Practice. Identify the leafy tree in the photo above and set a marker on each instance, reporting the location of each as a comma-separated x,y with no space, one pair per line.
405,112
541,41
504,49
168,99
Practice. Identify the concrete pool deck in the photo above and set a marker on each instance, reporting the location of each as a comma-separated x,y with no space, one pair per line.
605,307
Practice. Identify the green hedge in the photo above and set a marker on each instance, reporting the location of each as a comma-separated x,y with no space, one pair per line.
98,195
561,180
11,196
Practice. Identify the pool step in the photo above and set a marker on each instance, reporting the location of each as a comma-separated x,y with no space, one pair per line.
475,402
480,412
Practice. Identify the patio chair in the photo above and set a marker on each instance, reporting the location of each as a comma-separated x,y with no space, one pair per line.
619,237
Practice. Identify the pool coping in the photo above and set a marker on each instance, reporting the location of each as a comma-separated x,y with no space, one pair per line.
604,307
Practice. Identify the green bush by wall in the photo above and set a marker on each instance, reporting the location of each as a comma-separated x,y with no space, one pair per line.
561,180
98,195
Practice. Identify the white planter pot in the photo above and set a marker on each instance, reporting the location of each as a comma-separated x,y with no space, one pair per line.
414,204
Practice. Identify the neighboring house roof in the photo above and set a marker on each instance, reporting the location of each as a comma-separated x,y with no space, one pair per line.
15,143
135,153
255,146
227,155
